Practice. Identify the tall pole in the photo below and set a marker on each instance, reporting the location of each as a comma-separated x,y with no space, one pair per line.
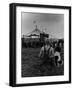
34,22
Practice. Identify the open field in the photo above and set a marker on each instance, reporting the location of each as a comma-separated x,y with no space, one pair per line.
31,64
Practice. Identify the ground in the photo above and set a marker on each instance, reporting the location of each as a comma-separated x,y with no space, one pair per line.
31,64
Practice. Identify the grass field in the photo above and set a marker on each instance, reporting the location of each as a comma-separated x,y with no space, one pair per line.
31,65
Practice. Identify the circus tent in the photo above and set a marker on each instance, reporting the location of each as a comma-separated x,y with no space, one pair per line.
35,33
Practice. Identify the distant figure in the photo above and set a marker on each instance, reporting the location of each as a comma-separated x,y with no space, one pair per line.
46,53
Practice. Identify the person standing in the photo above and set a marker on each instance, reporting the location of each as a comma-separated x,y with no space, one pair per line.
47,53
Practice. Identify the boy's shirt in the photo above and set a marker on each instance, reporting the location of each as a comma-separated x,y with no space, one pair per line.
50,54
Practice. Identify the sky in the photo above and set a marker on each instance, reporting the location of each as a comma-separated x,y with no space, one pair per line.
53,23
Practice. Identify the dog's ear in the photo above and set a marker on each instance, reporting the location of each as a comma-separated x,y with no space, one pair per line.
56,57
